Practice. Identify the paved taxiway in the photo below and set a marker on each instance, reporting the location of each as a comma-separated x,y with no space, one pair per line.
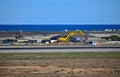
41,49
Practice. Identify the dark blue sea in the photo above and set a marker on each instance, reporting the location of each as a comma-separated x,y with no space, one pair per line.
69,27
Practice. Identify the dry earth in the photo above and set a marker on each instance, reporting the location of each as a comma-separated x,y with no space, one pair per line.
60,68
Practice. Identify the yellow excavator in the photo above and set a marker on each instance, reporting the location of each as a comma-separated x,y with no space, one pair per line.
67,36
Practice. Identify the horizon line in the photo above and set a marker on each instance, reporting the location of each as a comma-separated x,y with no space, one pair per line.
59,24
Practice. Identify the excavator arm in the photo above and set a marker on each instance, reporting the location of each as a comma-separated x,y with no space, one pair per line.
66,37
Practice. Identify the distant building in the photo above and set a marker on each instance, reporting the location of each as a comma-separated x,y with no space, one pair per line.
54,39
76,38
9,41
34,41
22,40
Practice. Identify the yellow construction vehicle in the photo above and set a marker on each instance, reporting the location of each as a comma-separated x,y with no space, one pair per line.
67,36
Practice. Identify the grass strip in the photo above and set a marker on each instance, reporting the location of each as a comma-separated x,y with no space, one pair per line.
58,55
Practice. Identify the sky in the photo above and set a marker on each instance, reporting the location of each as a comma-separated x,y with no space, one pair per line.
59,11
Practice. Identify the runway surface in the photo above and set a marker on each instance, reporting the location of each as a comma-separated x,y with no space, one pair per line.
41,49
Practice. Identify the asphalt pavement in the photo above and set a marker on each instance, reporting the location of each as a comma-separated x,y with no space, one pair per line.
41,49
